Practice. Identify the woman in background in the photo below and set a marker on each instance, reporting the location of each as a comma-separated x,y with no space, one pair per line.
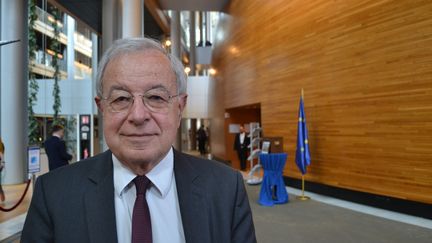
2,148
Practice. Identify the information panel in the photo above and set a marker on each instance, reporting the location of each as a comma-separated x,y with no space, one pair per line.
33,159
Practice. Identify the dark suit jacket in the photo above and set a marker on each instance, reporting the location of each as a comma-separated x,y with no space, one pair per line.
241,146
76,203
55,149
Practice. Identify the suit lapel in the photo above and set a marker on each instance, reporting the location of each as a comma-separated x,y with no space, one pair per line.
192,203
99,202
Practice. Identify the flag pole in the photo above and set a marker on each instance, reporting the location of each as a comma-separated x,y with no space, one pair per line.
303,197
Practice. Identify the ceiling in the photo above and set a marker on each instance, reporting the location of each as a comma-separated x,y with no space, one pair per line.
90,11
193,5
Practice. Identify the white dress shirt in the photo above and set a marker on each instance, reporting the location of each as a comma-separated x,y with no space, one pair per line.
242,137
161,198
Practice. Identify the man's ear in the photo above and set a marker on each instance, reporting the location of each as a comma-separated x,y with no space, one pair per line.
182,104
98,102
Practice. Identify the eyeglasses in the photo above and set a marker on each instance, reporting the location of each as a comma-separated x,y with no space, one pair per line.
156,100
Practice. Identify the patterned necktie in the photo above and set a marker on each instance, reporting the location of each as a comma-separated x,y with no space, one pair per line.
141,224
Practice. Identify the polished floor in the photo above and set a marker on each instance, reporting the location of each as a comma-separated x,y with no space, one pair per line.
323,219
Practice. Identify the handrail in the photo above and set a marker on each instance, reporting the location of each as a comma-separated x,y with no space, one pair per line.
19,201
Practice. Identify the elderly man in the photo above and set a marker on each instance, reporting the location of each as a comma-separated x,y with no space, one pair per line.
141,189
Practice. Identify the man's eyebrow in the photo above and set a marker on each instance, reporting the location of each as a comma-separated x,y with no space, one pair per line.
115,88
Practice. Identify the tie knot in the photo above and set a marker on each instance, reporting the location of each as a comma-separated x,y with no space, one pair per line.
141,184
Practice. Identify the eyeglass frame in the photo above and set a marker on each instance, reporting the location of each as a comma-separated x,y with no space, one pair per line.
143,99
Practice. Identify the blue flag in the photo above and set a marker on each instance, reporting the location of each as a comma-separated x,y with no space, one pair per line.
303,158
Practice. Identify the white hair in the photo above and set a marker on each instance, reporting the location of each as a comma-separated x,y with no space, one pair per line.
129,45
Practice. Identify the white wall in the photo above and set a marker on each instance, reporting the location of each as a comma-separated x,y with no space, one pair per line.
76,97
198,90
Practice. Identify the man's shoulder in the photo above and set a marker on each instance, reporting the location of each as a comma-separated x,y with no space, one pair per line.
51,140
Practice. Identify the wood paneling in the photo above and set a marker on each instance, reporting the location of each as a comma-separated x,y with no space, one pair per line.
366,69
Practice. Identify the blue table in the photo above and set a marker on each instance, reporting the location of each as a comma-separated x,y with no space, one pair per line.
273,187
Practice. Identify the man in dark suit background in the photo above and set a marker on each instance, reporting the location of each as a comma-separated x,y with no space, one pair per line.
241,143
55,148
141,94
202,139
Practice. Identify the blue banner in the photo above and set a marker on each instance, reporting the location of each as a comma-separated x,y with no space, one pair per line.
303,158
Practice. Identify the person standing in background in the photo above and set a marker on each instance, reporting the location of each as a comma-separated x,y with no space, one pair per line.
202,139
55,148
2,149
241,144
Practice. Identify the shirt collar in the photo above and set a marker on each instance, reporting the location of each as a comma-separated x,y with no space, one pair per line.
161,175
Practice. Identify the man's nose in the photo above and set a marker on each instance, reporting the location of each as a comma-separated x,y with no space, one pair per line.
139,112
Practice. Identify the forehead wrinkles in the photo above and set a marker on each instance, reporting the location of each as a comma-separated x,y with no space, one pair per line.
145,64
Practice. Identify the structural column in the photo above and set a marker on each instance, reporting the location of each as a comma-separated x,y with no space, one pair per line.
175,34
94,65
176,51
132,18
208,28
111,30
201,42
13,97
192,44
201,28
70,47
110,22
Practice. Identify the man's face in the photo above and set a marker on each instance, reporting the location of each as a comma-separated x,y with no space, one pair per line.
242,130
139,136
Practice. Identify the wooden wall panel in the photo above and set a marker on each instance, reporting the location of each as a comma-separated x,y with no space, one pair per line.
366,69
